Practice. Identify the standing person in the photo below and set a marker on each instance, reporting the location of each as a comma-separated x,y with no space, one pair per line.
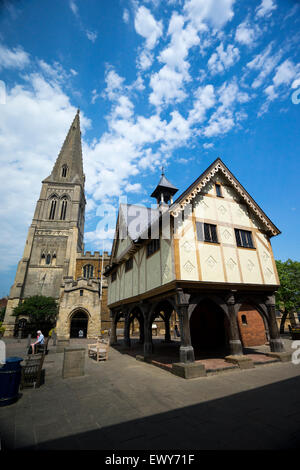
40,340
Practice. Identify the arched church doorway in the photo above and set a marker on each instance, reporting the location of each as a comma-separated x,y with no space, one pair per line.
79,325
208,326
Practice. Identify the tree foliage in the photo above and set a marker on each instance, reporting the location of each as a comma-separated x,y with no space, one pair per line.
288,295
39,309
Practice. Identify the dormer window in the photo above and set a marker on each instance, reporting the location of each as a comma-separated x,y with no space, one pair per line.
218,190
64,171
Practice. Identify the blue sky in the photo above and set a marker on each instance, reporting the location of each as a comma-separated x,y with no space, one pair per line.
175,83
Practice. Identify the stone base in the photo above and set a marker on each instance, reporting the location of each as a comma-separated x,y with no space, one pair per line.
73,365
189,370
242,361
61,345
9,330
282,356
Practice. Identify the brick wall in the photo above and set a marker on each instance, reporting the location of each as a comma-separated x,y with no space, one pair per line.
253,333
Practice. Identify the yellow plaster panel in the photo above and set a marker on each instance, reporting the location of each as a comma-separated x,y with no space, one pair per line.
188,258
249,266
239,214
211,262
266,263
222,210
226,235
231,265
205,207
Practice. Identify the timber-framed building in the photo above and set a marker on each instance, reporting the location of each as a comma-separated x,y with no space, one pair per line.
206,256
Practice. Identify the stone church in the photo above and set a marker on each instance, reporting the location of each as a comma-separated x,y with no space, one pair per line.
54,262
207,256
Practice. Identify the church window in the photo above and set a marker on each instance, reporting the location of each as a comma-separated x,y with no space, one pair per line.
63,209
64,171
244,320
52,209
243,238
88,271
206,232
48,259
81,293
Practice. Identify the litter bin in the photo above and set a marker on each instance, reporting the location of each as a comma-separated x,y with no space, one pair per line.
10,377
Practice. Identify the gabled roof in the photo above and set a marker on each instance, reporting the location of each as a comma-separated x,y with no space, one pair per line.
218,166
133,221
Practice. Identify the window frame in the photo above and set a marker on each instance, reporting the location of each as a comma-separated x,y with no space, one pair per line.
244,238
205,233
128,264
152,247
218,190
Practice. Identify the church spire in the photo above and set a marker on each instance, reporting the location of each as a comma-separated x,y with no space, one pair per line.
68,166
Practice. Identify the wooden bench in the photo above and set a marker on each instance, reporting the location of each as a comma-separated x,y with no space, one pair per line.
32,373
99,350
43,348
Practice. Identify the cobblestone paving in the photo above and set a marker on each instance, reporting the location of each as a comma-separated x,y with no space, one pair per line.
123,404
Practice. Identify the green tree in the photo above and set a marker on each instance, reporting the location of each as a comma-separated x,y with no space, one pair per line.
2,313
288,294
41,311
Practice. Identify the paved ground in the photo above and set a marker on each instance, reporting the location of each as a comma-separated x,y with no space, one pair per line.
123,404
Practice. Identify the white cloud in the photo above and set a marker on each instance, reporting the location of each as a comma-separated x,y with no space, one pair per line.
168,87
214,12
145,60
169,82
73,7
222,59
265,62
246,34
146,25
208,145
133,188
285,73
126,16
204,100
15,58
91,35
224,119
265,8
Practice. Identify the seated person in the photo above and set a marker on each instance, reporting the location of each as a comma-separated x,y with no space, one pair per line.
40,340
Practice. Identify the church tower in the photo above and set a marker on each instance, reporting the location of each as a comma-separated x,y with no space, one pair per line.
56,232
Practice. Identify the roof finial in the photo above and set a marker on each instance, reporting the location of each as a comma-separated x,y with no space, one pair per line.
162,171
78,110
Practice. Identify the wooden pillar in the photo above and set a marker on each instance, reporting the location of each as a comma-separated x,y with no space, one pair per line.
167,328
113,336
186,351
276,344
235,345
127,327
146,311
142,331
